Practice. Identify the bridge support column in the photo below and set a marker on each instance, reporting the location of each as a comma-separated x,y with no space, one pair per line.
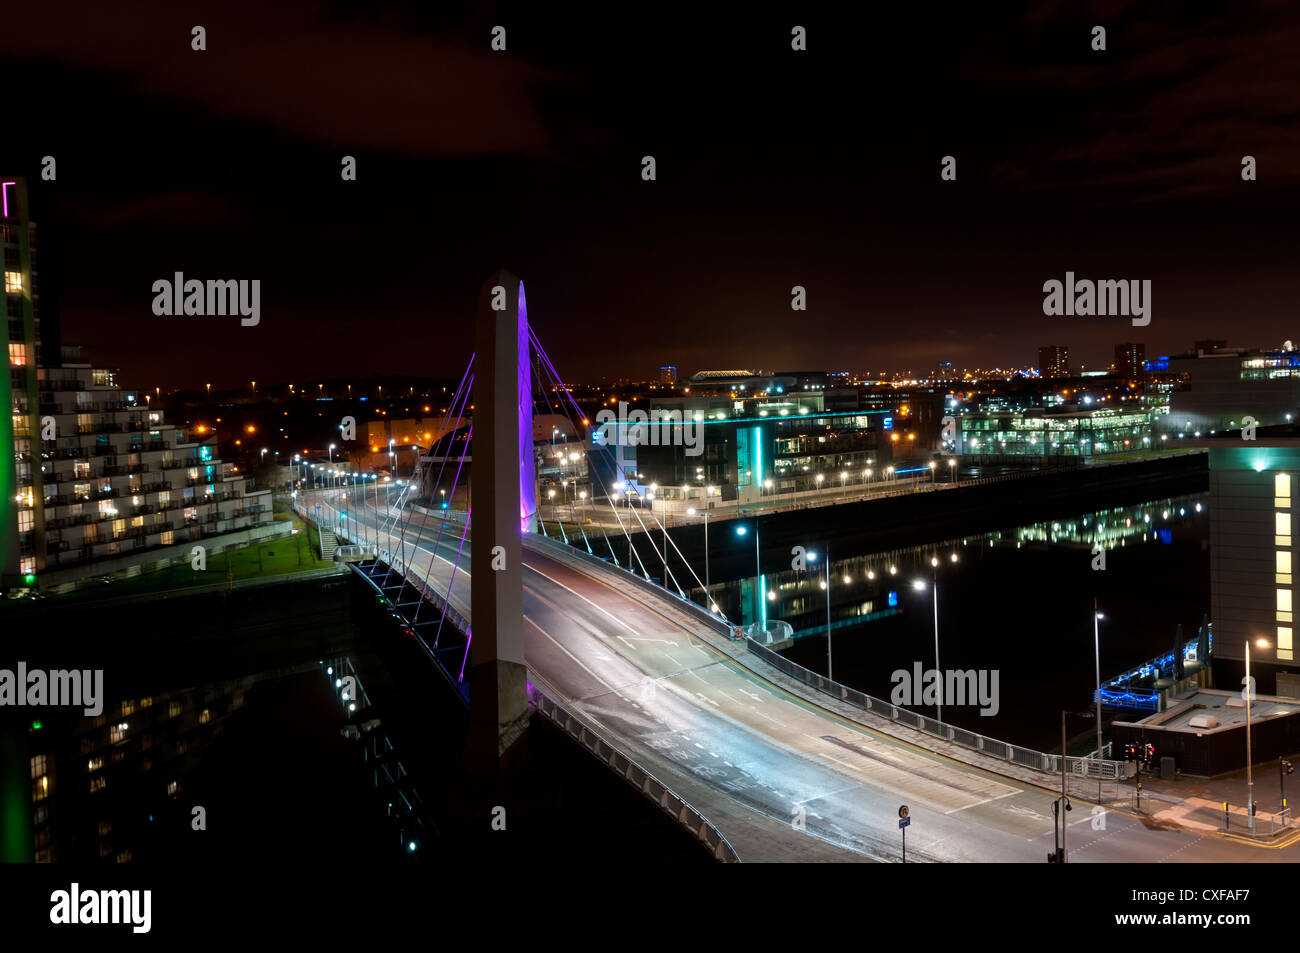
502,392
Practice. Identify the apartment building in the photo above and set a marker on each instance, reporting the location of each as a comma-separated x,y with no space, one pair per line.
120,481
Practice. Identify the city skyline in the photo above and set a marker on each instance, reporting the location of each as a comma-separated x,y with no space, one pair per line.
1125,162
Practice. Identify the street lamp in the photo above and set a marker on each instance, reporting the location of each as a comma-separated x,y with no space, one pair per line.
1096,648
1065,801
919,586
826,585
331,453
952,470
740,531
1249,694
708,596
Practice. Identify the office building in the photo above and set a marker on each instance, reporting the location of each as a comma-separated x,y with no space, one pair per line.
1219,387
1054,361
1130,359
1253,490
988,436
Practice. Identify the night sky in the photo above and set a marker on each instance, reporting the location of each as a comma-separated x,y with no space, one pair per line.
775,168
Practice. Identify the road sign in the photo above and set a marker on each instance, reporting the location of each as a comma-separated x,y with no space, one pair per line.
904,821
902,811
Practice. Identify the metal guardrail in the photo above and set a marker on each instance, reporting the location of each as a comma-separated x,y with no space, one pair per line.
1025,757
638,777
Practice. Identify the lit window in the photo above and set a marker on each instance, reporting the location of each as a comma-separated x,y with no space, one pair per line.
17,354
1284,605
38,766
1282,489
94,764
1284,650
1282,526
1283,567
13,282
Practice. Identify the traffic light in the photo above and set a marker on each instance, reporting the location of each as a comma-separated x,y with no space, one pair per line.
1288,767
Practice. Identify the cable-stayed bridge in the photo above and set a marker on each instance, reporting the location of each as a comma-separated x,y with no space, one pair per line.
521,611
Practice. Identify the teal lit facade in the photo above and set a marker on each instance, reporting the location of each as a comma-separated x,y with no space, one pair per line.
1253,492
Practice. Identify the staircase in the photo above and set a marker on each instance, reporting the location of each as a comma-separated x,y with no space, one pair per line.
328,543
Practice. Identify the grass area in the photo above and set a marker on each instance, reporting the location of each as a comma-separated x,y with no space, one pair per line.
275,557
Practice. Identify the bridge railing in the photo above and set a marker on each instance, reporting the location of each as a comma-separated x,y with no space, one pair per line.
1016,754
669,801
1026,757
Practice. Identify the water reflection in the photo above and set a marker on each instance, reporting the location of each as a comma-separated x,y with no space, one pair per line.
865,587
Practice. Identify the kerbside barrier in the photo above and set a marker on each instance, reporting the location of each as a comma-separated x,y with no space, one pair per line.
669,801
1025,757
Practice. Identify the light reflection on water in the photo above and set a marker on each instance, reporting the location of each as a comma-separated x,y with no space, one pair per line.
1017,600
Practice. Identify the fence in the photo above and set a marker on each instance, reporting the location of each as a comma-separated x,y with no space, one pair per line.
1025,757
641,779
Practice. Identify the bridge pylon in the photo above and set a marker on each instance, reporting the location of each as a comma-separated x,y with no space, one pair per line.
504,474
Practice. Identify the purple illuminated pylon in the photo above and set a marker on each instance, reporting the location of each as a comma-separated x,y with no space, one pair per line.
527,464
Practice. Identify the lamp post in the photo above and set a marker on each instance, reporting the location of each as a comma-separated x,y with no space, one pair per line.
1250,698
740,531
1065,800
830,658
708,596
331,453
919,586
1096,648
952,469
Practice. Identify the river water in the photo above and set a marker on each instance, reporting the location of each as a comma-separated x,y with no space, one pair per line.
1017,602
